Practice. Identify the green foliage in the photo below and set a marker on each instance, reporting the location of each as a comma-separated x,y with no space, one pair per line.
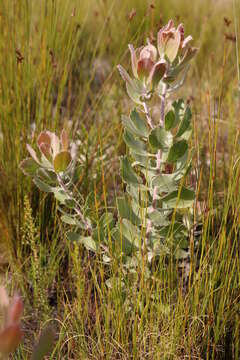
156,171
121,306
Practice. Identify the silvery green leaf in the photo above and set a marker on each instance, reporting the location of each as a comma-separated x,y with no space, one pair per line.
133,87
133,191
170,120
45,162
125,211
139,123
70,220
133,94
165,182
136,145
160,138
177,228
121,242
158,248
60,195
185,123
184,199
131,232
43,186
46,175
177,151
128,174
87,241
29,167
129,125
149,174
141,160
158,218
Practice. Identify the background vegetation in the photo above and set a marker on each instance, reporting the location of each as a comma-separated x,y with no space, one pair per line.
58,69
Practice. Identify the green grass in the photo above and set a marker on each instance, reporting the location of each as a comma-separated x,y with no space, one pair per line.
70,50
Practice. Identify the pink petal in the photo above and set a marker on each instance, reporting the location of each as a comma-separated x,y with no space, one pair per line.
186,41
180,28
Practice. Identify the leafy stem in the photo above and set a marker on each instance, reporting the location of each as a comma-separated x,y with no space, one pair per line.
77,207
163,100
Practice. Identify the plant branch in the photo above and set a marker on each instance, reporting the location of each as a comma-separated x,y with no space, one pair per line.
77,208
163,100
149,120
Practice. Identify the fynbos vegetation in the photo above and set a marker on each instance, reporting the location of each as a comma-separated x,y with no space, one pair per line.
119,171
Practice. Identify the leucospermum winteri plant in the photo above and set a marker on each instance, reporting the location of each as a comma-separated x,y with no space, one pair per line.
154,212
55,158
52,172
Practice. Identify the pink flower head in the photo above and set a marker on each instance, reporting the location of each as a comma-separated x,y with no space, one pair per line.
169,40
145,67
54,151
172,43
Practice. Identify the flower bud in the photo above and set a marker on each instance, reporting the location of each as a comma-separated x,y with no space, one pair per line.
149,52
169,40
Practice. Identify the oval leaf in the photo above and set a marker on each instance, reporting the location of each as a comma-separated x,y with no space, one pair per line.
170,120
136,145
177,151
139,123
87,241
185,123
160,138
183,200
62,161
128,174
29,167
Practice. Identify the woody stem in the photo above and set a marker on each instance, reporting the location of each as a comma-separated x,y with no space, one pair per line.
149,120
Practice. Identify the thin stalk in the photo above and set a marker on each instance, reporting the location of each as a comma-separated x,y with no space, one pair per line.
163,101
149,120
159,153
